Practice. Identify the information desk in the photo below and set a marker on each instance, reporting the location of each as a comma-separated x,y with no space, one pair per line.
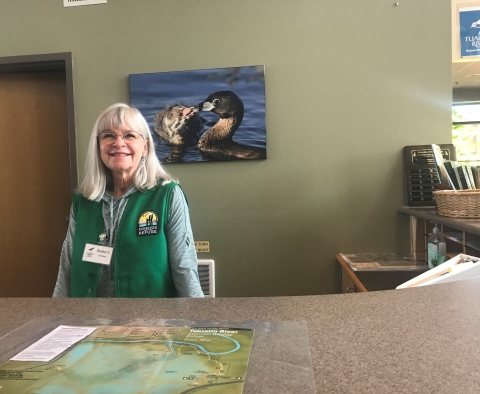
399,341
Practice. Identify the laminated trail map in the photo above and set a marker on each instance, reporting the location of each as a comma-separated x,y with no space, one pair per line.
128,359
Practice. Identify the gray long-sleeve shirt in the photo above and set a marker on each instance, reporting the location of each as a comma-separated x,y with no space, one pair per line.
181,248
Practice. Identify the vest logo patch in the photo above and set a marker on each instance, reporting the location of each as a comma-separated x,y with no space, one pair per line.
147,223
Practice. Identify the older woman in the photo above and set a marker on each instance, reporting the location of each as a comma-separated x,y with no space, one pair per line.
129,233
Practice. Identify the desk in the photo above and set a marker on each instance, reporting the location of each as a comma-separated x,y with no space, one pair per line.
377,271
399,341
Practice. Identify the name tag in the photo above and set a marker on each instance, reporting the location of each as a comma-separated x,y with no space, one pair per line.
97,254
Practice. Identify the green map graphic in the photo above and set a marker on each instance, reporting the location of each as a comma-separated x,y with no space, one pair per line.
127,360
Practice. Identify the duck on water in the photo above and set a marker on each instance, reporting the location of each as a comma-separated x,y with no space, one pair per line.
217,143
180,126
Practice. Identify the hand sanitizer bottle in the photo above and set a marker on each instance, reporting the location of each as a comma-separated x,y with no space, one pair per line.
436,248
442,251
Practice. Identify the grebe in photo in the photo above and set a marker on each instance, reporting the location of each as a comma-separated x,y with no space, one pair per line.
217,143
177,124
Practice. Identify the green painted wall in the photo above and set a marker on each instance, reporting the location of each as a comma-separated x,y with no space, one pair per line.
348,85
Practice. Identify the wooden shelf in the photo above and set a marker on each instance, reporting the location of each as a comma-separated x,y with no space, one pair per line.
461,235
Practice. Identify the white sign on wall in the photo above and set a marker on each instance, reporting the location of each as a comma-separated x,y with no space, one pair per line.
469,20
73,3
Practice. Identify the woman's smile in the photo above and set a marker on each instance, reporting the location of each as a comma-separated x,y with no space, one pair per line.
121,154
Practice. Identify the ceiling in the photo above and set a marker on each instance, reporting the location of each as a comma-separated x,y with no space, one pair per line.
466,75
466,81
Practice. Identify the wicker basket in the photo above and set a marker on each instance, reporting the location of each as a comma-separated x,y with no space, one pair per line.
459,204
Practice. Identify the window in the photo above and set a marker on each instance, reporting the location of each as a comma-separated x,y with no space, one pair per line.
466,131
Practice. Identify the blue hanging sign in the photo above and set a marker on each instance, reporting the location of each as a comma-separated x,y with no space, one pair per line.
470,31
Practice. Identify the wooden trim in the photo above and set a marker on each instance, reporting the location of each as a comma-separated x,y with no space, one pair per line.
351,274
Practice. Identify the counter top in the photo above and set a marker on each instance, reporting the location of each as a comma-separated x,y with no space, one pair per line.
432,215
413,340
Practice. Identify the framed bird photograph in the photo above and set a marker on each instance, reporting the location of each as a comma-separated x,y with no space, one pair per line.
204,115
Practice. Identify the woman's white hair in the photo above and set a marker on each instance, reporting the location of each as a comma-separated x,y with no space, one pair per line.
98,177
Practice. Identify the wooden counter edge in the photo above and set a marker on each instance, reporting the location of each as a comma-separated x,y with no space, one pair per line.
351,274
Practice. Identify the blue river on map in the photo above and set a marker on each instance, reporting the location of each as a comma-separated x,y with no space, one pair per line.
104,371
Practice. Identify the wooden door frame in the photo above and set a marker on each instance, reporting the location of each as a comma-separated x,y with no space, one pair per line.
51,62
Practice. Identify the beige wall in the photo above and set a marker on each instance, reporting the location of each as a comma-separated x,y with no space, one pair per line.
348,85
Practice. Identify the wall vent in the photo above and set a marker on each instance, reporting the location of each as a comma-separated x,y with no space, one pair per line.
73,3
206,273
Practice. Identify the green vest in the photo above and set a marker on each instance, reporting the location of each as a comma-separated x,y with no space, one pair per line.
140,258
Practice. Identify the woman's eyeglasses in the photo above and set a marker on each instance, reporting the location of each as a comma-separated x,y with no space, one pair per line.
128,136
